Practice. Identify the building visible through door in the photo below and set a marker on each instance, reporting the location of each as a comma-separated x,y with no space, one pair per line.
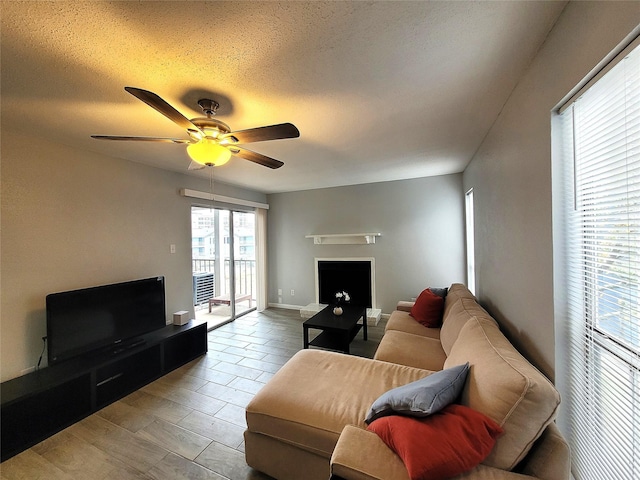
223,263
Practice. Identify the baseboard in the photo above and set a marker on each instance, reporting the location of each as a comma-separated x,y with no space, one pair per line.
287,306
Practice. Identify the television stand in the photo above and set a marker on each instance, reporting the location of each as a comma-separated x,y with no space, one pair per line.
37,405
124,346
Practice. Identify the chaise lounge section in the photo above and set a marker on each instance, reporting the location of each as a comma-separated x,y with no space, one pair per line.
308,421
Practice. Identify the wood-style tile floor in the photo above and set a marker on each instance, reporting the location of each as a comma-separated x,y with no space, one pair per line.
188,424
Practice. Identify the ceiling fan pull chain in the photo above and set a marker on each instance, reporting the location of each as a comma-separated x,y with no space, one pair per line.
211,186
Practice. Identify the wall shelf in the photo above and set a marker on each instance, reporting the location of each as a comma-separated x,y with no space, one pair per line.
344,238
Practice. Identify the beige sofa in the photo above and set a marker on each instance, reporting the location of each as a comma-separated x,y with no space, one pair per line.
308,421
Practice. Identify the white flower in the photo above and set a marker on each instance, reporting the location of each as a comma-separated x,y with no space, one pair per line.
342,296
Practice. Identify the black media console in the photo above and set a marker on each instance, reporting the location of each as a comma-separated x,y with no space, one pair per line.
39,404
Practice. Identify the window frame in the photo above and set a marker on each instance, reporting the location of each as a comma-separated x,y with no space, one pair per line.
470,239
598,371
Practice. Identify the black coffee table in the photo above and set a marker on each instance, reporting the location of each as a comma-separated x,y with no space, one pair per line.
337,330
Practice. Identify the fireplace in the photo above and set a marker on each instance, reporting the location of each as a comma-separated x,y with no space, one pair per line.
353,275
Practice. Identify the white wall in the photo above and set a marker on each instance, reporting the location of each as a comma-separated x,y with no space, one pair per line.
73,219
511,177
422,242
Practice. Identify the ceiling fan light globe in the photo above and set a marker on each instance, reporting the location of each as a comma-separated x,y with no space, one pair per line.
208,152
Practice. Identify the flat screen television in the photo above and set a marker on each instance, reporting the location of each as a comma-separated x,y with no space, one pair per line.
104,317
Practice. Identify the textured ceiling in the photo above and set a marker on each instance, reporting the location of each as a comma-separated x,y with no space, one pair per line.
379,90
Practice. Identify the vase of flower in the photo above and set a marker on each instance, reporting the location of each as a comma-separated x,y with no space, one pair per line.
341,298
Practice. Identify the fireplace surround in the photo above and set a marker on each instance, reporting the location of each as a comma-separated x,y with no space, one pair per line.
355,275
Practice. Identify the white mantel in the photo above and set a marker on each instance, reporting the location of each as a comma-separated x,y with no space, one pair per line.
344,238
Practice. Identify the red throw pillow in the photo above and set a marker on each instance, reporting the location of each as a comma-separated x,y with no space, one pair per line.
428,309
443,445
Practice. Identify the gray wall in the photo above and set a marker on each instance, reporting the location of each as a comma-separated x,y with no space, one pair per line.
422,242
73,219
511,177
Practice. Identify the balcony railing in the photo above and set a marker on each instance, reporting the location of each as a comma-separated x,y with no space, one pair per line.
245,276
203,265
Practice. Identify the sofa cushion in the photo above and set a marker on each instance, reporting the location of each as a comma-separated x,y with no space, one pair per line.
456,292
503,385
362,455
402,321
316,393
444,445
423,397
457,316
428,309
411,350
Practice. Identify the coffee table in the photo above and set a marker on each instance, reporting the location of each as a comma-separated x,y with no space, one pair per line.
337,330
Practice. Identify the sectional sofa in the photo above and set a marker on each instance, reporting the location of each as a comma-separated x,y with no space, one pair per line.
308,421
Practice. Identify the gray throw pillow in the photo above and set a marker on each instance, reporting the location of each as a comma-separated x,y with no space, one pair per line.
422,397
441,292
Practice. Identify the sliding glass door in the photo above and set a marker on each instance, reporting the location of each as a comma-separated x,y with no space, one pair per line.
223,263
244,261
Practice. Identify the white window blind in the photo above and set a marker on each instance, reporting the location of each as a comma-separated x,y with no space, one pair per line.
601,222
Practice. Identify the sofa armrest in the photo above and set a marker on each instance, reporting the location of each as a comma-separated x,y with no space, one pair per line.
361,455
550,457
405,306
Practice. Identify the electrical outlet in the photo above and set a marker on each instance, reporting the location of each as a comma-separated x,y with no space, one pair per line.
280,292
172,248
293,292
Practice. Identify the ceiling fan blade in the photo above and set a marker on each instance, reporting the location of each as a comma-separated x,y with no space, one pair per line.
141,139
255,157
154,101
260,134
196,166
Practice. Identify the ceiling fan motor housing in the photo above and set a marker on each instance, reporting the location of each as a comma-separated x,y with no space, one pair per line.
207,124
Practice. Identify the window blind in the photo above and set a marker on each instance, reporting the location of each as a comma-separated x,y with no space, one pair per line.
601,222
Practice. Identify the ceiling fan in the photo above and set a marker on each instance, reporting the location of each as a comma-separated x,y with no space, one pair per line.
211,141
